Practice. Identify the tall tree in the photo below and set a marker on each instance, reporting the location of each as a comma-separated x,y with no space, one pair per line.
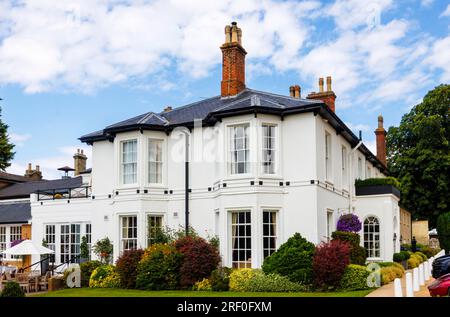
6,147
419,156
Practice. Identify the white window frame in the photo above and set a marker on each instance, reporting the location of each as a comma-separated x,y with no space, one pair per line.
147,225
370,244
328,157
50,239
273,149
344,167
73,247
241,263
275,236
122,163
329,223
8,238
160,162
232,151
127,238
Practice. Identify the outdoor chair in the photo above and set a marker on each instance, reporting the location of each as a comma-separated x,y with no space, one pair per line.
23,279
43,281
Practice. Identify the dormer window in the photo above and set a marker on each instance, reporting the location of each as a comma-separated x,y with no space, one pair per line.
129,162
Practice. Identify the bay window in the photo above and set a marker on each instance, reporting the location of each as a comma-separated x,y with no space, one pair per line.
129,162
241,239
239,148
155,161
268,149
128,236
269,232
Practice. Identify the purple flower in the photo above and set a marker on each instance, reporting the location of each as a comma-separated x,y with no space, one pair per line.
349,223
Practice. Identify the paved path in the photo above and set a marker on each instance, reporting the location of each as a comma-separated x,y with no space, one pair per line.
388,290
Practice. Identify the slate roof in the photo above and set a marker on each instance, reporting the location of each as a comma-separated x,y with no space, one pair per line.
15,212
213,109
23,190
207,110
13,178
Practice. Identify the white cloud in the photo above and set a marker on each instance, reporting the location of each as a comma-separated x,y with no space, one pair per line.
50,164
446,12
90,44
426,3
357,127
19,139
440,60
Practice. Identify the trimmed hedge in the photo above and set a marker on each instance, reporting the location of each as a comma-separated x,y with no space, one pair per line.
378,181
240,278
293,259
254,280
354,278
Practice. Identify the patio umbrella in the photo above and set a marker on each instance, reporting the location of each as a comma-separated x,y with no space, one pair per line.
27,247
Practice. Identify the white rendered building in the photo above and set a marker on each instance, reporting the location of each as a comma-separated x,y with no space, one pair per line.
260,168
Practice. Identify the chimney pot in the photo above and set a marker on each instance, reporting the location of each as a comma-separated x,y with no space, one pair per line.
329,83
380,134
291,91
233,62
38,168
297,91
321,84
29,167
167,109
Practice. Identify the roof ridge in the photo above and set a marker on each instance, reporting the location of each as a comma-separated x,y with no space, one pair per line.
147,115
188,105
283,96
232,103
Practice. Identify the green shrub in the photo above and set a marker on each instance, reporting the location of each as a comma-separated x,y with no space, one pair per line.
220,279
86,271
418,257
405,255
203,285
354,278
399,266
159,268
398,257
357,252
413,262
429,252
12,289
273,283
423,256
378,181
293,259
443,229
387,275
351,237
240,278
105,276
385,264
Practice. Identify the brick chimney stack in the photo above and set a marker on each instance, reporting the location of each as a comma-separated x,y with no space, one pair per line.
295,91
328,96
79,160
33,174
233,62
380,134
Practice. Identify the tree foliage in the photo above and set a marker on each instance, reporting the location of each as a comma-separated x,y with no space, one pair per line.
419,156
6,147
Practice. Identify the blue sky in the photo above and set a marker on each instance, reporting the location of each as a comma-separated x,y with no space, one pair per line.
70,68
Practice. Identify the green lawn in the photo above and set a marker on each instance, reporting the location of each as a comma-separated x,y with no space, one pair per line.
107,292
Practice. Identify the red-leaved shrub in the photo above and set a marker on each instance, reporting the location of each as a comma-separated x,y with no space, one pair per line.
329,263
199,260
126,266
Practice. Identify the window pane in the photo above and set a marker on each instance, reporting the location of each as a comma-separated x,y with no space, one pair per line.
241,239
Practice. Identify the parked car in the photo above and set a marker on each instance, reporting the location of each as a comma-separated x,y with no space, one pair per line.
441,266
441,286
